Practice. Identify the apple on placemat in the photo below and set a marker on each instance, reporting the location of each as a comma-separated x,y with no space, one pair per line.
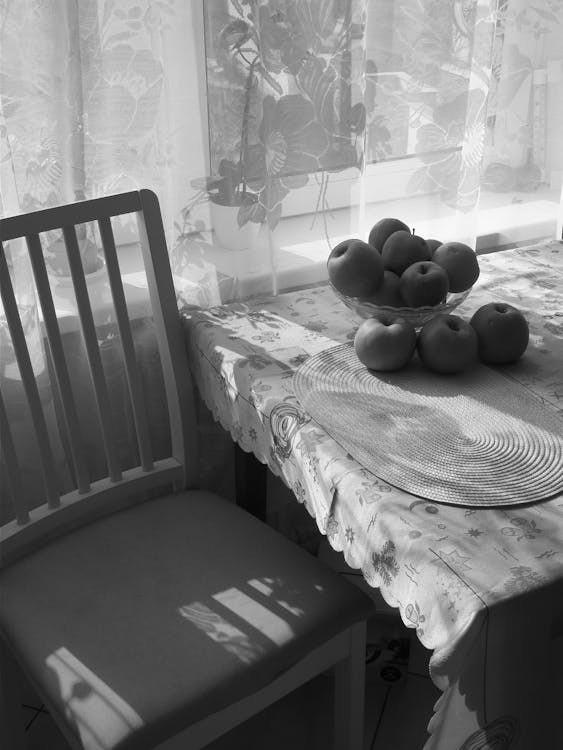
502,333
384,344
447,344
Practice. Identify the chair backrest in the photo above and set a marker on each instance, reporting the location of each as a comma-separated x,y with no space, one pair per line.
120,487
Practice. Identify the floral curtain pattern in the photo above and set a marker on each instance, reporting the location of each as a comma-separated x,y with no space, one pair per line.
95,97
295,107
527,61
100,96
20,268
93,100
431,72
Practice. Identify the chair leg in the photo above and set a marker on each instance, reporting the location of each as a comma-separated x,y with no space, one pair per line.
251,479
11,717
349,693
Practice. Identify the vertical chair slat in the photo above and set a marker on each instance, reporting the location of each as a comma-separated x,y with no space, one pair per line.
30,386
12,466
92,351
76,442
131,368
179,391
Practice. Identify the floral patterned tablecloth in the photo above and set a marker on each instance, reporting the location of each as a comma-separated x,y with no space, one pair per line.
482,587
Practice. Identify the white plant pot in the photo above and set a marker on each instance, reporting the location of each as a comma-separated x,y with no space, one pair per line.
228,234
97,284
65,282
57,261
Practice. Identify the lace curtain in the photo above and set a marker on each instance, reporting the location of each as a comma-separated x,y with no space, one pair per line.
300,121
98,96
525,118
94,101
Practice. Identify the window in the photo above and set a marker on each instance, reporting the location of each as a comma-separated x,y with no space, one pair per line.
431,94
447,115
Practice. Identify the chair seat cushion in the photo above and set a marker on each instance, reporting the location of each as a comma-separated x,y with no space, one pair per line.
154,617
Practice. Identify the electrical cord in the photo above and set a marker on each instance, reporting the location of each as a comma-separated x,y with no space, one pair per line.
376,730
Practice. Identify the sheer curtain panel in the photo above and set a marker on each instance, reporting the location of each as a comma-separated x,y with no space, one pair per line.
270,131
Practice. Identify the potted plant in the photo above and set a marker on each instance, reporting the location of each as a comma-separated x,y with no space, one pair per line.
292,63
231,203
231,200
57,259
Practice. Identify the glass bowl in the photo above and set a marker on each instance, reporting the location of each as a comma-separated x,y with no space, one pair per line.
417,316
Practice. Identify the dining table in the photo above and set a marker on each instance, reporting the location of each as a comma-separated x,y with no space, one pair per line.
480,582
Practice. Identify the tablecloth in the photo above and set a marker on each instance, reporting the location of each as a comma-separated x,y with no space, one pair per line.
482,587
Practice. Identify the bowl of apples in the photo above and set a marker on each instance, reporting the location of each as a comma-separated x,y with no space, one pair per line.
416,316
398,276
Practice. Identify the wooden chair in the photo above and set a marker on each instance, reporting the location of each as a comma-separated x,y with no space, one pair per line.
147,622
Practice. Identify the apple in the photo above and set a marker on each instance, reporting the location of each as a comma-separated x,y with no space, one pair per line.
402,249
382,229
388,293
384,344
433,244
460,263
423,283
355,268
447,344
502,332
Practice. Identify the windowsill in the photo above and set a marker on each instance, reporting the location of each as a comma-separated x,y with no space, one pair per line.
134,286
519,223
300,250
300,262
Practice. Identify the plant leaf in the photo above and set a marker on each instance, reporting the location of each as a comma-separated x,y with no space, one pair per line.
249,211
269,79
357,118
420,181
236,33
326,15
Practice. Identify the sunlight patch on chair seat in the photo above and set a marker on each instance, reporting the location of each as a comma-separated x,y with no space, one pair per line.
102,717
221,631
267,622
263,587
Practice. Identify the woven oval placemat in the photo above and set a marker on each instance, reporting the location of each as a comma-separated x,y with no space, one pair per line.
475,438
